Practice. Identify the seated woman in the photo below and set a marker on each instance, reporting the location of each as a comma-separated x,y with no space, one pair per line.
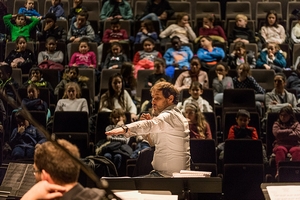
71,100
209,29
117,97
208,54
186,78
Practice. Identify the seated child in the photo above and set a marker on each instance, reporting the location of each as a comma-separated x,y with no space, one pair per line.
114,34
24,138
146,31
57,9
35,76
240,55
115,148
20,28
71,75
221,83
199,128
209,29
130,82
76,9
241,32
33,102
195,91
181,29
145,59
271,58
177,56
85,57
28,9
116,9
51,58
51,29
295,33
293,81
115,57
158,74
208,54
21,57
7,83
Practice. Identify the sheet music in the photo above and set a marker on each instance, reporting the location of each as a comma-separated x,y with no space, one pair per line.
286,192
136,195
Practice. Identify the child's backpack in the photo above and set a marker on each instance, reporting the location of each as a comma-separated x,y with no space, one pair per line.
101,166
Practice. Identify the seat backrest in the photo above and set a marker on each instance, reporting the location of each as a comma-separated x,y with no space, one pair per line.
17,75
12,45
139,7
270,138
52,76
71,121
65,5
212,121
204,8
143,163
235,8
243,151
141,80
105,75
239,98
262,8
90,73
230,119
74,48
264,77
291,5
145,95
203,151
93,8
180,7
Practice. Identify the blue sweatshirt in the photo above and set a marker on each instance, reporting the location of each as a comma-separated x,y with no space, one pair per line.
206,56
31,13
57,10
29,138
182,57
263,59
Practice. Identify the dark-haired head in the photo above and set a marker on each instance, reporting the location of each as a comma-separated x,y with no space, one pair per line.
176,42
287,116
148,24
6,72
271,12
114,80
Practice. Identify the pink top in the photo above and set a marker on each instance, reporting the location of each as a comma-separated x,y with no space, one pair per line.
88,59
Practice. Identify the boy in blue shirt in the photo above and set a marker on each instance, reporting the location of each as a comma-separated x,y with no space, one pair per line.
28,9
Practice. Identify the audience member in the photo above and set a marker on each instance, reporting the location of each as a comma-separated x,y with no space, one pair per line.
199,128
117,97
24,138
195,91
57,174
181,29
57,9
287,134
21,57
51,58
272,31
279,97
146,31
51,29
168,130
208,54
7,83
76,9
20,28
144,59
271,58
84,57
240,55
115,148
32,102
159,74
295,33
178,56
158,10
209,29
71,75
130,82
241,32
186,78
116,9
115,57
293,81
28,9
71,100
221,83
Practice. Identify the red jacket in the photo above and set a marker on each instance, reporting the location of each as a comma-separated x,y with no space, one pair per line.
110,35
236,128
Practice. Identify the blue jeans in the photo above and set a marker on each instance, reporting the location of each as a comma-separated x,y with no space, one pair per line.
116,159
153,17
22,152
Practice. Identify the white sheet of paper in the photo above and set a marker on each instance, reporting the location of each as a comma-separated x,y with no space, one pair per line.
286,192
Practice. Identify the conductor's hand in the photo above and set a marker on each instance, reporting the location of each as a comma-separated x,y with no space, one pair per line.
116,131
145,116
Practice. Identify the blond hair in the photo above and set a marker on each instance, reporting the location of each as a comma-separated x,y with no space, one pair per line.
241,16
